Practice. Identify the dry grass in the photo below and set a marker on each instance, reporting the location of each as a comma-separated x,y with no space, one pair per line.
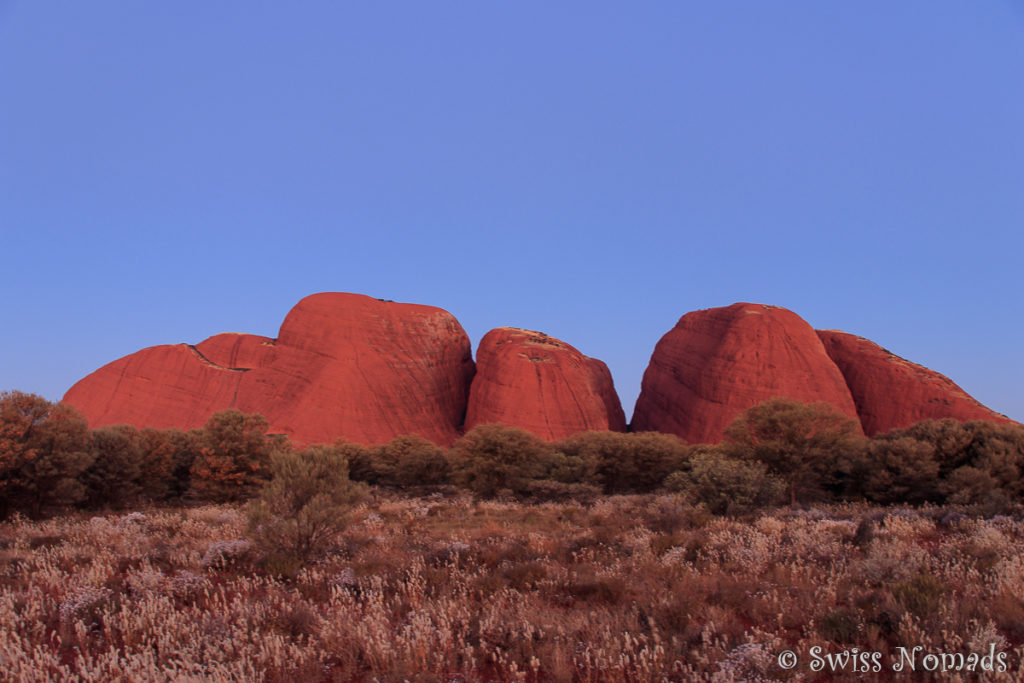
631,588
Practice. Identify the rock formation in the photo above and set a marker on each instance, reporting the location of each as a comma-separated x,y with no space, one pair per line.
343,365
162,387
530,380
716,363
891,392
350,366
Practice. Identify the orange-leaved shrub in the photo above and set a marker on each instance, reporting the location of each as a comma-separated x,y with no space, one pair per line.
233,457
44,448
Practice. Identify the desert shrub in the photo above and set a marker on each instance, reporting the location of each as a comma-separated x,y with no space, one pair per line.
623,463
43,449
841,625
977,488
978,462
303,506
921,594
233,457
959,444
902,470
360,461
113,477
492,457
726,485
184,446
158,462
408,461
813,447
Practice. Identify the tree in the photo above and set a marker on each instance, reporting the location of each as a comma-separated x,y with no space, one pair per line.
20,415
158,460
113,476
303,506
43,449
233,458
900,470
812,447
977,461
491,457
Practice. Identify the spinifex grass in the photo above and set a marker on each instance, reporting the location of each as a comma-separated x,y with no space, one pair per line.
631,588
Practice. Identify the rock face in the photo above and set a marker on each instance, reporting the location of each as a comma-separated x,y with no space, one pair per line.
891,392
718,362
530,380
343,365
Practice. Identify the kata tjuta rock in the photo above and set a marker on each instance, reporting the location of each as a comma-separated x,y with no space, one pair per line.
718,362
891,392
530,380
343,365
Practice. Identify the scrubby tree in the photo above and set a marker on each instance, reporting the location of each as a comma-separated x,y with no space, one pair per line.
620,463
813,447
43,449
157,450
409,461
902,470
113,477
21,416
978,462
303,506
186,448
726,485
492,457
233,457
359,459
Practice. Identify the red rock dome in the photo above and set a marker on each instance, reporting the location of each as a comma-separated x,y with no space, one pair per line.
530,380
718,362
891,392
343,365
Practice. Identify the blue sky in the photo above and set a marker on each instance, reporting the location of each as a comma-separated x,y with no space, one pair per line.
593,170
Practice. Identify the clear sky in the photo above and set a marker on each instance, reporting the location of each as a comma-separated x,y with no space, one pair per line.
592,170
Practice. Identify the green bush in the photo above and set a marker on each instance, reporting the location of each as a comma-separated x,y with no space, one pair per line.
117,457
360,461
902,470
303,506
623,463
813,447
726,485
409,461
978,462
159,454
492,457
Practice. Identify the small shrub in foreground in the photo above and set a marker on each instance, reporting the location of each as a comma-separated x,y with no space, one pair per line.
302,507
